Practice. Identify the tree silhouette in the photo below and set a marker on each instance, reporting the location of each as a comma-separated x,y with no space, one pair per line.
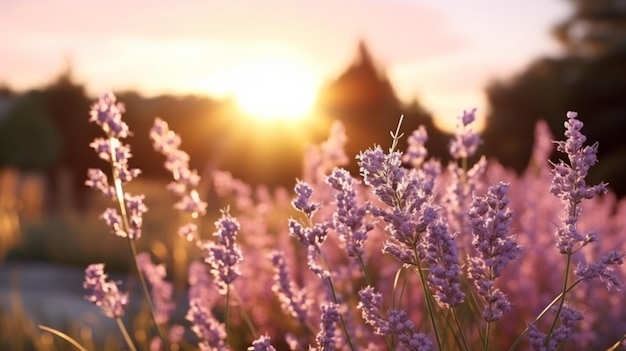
589,78
28,139
363,99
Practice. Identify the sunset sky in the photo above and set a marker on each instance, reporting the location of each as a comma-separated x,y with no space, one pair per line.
442,52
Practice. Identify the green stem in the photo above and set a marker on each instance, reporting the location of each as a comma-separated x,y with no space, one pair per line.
343,322
459,329
543,313
429,298
562,300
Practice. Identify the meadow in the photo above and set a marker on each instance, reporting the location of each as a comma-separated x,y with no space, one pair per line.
410,254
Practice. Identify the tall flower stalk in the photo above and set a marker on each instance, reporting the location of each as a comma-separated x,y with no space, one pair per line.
107,113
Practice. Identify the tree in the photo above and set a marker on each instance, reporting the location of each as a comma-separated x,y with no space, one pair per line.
589,78
28,138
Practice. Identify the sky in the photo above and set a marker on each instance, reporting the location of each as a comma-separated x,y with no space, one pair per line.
441,52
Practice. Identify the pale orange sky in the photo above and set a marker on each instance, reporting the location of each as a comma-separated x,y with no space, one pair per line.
442,52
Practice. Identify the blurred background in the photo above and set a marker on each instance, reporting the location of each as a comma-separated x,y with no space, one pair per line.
249,84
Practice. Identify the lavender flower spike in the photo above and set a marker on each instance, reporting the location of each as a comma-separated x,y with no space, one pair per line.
107,113
570,186
348,219
224,255
292,300
262,344
103,293
442,258
490,219
466,140
326,336
162,291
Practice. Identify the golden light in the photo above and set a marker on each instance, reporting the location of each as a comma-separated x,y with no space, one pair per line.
272,88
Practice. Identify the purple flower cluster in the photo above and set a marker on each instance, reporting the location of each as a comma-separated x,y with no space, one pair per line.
162,291
466,140
312,237
102,293
490,219
416,152
262,344
396,323
292,300
442,259
570,186
211,332
569,317
224,255
407,193
107,113
186,180
348,219
326,337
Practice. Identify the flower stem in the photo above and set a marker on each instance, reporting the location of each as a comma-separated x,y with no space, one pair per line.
119,192
127,338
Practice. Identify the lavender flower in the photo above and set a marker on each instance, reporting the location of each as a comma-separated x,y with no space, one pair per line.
191,203
262,344
302,202
568,317
442,259
103,293
312,237
292,300
466,140
211,332
490,219
404,328
326,336
348,219
224,255
107,113
96,179
162,291
396,323
570,186
416,153
370,305
602,269
167,143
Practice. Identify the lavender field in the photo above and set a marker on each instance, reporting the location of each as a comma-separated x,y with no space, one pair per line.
410,254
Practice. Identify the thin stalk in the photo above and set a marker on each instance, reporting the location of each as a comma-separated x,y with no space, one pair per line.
388,339
543,313
459,329
119,192
428,296
69,339
562,300
244,314
124,331
227,314
343,322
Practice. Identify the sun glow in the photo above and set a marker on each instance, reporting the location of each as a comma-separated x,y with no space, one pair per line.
274,88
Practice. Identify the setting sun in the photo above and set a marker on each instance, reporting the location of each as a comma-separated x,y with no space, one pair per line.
274,88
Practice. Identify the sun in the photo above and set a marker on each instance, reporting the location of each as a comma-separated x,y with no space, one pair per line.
273,88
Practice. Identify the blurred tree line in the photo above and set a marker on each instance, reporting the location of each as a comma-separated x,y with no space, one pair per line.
589,78
47,129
